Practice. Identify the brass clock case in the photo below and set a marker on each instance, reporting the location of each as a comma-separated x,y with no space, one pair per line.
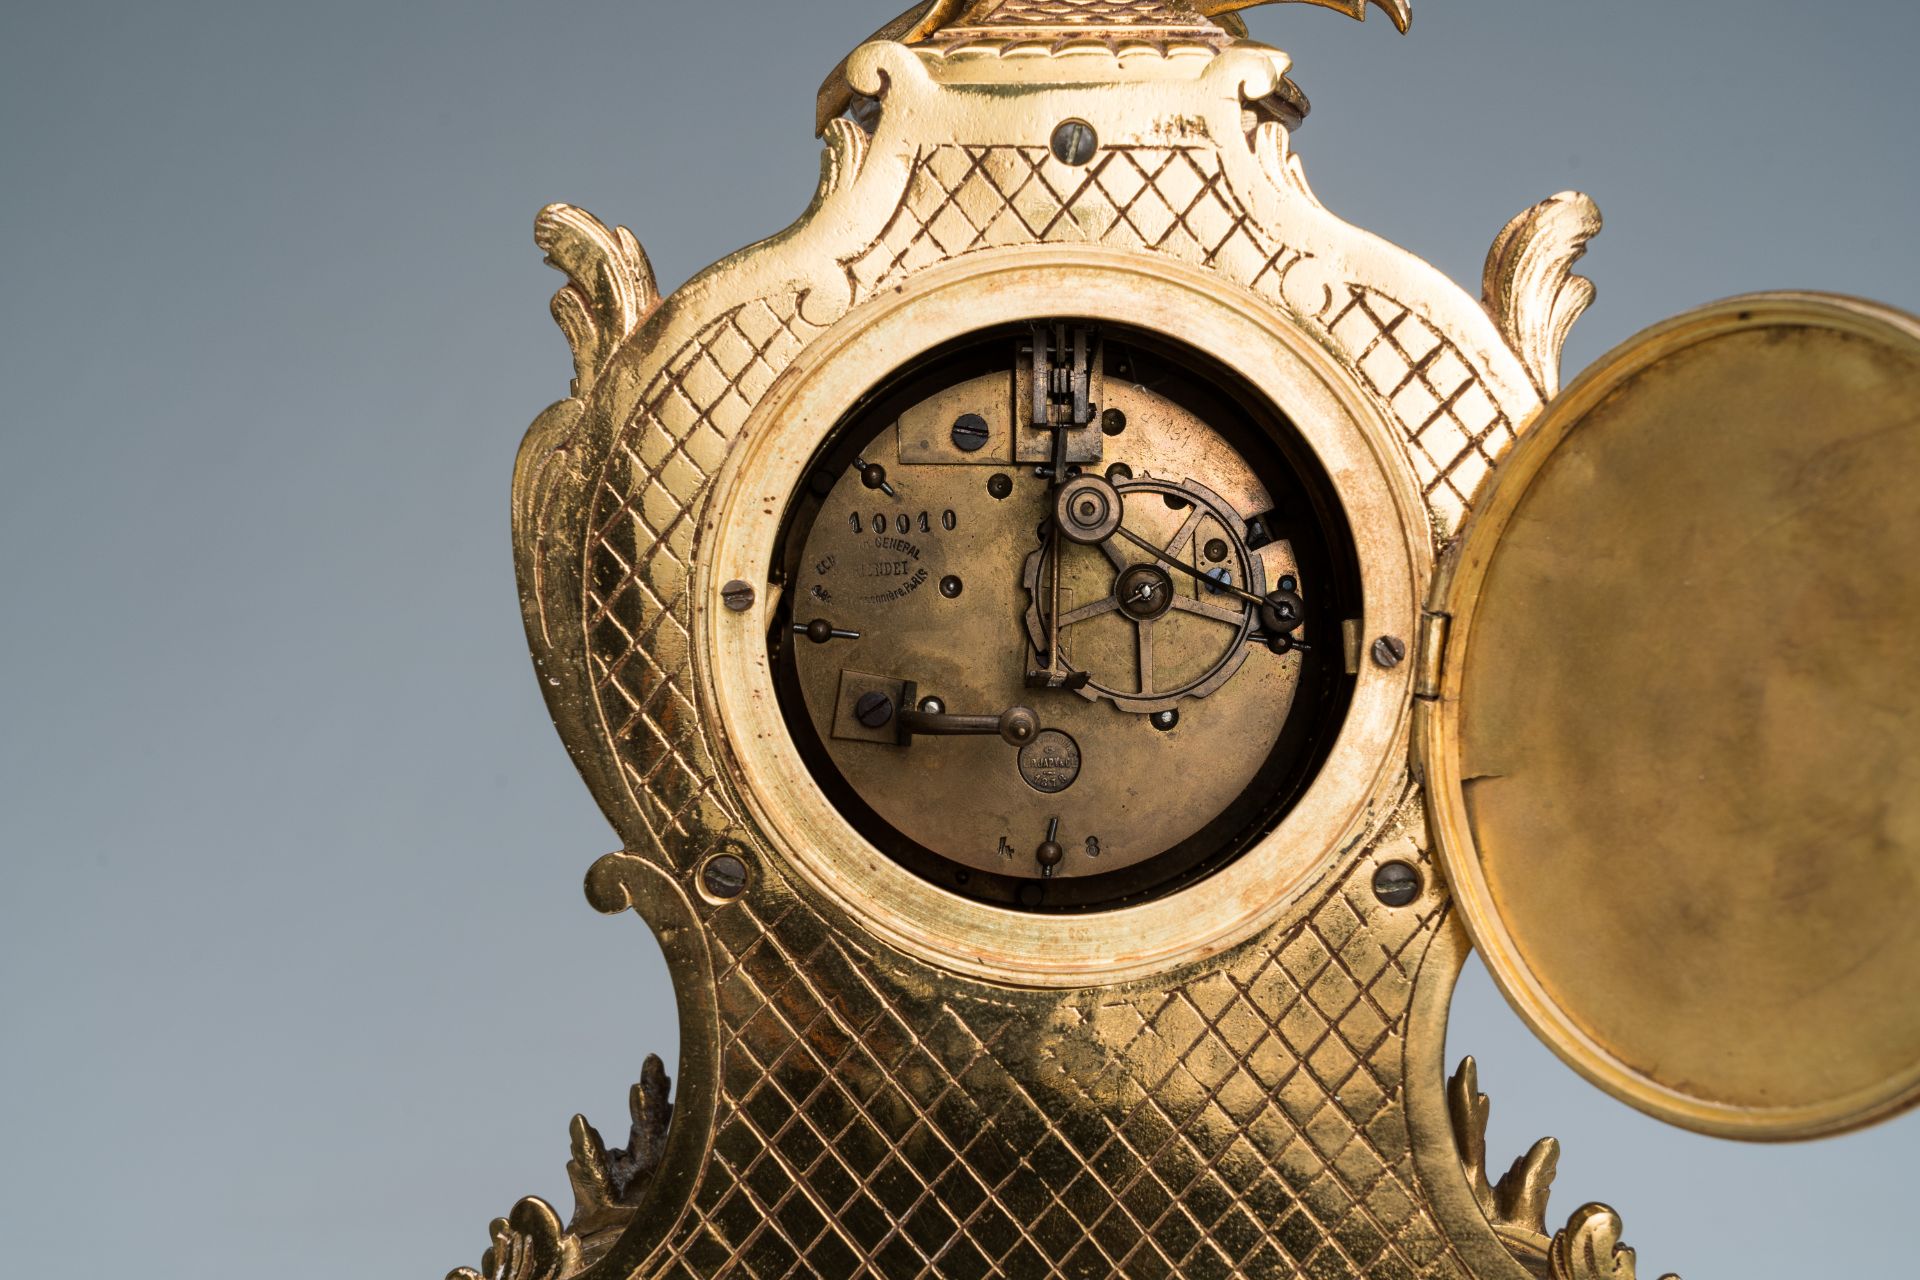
1243,1074
1671,752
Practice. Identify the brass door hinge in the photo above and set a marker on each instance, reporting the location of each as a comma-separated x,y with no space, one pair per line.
1430,643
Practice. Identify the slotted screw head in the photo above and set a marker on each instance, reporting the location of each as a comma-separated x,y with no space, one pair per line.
724,875
873,709
969,433
1073,142
1396,884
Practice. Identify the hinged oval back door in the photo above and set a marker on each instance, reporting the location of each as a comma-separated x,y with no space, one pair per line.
1672,744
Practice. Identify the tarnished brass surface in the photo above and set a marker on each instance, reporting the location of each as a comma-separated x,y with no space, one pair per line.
1675,761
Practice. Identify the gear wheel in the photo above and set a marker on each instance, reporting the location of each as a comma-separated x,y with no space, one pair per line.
1147,592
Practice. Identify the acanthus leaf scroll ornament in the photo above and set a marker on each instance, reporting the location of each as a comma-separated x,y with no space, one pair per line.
608,1183
1529,285
1589,1248
610,287
610,291
1516,1207
528,1244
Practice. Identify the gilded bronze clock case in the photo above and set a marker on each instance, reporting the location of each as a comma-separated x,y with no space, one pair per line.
878,1077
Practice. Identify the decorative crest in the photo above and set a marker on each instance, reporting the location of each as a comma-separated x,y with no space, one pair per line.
931,17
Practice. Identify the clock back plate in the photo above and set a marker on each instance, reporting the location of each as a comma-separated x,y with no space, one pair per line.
1673,759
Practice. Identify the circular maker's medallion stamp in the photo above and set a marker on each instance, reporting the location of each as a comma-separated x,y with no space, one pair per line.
1050,762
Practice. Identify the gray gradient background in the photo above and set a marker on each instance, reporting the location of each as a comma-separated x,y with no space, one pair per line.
296,977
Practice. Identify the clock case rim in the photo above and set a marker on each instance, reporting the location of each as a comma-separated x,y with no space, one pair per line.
1278,361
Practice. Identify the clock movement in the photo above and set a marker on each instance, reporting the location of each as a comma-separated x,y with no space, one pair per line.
1077,643
1065,570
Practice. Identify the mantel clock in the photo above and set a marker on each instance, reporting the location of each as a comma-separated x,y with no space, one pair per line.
1077,642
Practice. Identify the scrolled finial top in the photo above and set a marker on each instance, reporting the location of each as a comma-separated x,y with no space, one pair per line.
930,19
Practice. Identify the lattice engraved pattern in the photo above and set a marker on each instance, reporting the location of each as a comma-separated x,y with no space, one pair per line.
1089,13
1242,1123
1176,201
1455,430
640,566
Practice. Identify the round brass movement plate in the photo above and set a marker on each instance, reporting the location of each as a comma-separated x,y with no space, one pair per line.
1675,763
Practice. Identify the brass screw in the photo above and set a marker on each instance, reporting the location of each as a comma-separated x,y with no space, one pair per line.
724,876
969,433
1396,884
1073,142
